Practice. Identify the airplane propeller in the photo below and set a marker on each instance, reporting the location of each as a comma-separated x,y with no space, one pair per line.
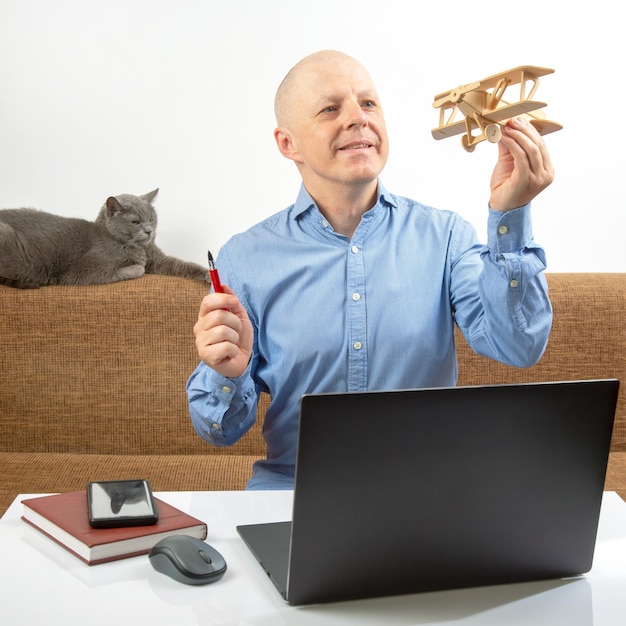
455,95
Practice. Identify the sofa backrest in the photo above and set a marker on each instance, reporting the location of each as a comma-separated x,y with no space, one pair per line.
102,369
587,340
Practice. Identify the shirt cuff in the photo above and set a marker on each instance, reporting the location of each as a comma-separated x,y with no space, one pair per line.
225,389
509,231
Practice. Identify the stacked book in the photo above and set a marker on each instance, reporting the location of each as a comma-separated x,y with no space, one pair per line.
63,517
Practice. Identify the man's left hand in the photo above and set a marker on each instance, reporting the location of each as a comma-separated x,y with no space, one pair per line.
524,168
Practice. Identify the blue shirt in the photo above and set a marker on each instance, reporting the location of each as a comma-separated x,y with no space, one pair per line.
369,313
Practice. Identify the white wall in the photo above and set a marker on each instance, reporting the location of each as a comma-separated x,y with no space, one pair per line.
101,98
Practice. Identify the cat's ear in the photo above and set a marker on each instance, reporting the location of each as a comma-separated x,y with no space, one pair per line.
113,206
150,196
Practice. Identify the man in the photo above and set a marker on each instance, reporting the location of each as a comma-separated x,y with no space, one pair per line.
353,288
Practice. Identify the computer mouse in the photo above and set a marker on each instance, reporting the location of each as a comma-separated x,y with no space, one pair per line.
188,560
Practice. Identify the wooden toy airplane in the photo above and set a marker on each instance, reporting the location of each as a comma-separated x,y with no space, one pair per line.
485,109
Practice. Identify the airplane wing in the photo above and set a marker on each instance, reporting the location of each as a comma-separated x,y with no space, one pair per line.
449,130
499,115
512,110
513,76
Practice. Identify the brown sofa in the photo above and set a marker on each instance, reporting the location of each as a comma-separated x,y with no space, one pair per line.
93,382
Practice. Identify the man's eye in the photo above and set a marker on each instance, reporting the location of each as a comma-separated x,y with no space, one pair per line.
329,109
368,104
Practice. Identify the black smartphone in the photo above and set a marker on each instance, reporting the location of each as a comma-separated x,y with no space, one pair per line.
117,503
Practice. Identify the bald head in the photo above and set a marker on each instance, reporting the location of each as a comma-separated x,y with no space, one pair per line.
295,82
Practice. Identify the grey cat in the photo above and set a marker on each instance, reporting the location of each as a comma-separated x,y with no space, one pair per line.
39,248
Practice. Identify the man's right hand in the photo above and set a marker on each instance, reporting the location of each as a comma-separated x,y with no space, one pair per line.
224,333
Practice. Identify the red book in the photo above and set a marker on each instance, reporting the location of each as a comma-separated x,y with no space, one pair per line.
63,517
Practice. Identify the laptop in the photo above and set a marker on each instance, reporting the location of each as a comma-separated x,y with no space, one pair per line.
410,491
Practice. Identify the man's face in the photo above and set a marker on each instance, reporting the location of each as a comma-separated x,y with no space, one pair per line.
335,130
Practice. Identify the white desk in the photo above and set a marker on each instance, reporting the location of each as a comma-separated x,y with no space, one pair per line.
41,583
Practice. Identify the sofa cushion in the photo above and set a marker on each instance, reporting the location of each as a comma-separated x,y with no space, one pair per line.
48,473
43,472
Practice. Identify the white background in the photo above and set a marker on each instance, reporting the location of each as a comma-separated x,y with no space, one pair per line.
102,98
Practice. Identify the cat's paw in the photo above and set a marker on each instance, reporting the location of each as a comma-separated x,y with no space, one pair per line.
130,271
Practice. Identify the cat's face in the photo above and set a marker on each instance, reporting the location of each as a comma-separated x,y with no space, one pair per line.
131,219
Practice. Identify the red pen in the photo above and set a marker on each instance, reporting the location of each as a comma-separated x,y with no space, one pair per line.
215,277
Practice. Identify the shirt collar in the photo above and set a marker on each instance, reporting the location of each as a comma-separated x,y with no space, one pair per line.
304,201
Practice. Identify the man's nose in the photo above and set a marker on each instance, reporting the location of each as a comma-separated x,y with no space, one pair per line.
354,114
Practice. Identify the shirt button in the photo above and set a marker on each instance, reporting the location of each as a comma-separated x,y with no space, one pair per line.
226,389
355,249
216,427
325,224
356,297
514,283
503,230
357,345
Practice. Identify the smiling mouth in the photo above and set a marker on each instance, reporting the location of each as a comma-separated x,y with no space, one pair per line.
356,146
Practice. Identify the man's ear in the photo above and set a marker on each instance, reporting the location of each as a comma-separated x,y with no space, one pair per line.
286,144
